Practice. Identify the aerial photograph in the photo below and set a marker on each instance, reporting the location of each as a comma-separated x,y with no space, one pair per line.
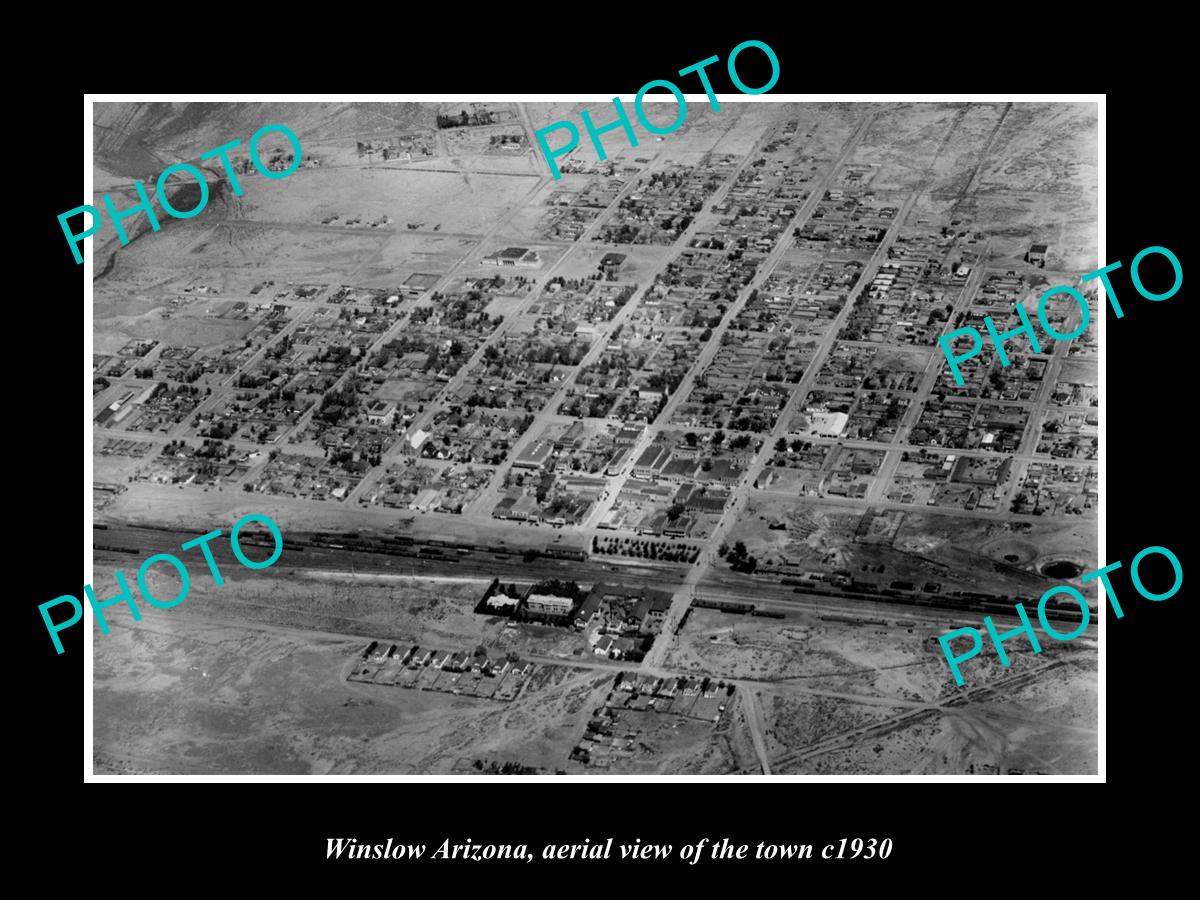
656,468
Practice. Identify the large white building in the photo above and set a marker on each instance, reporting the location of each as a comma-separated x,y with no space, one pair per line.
549,605
513,256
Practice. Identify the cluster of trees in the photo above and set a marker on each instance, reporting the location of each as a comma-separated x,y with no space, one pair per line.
250,380
206,468
543,487
558,588
345,457
797,445
395,348
573,284
894,412
213,449
569,508
660,381
338,354
348,313
621,234
508,768
624,363
662,182
709,323
681,225
287,396
208,450
510,590
755,423
738,558
450,359
464,118
644,549
220,429
182,390
338,404
546,354
281,349
262,434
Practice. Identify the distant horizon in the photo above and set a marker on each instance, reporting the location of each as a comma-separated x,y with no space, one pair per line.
706,367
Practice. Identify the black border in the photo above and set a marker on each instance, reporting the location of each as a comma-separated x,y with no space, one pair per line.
282,837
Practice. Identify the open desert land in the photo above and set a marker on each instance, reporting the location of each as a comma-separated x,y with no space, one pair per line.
206,697
1012,223
353,200
903,142
1050,731
1045,148
828,650
191,323
1036,703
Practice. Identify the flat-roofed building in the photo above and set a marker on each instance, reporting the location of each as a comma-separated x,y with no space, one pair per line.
534,456
510,257
549,605
381,412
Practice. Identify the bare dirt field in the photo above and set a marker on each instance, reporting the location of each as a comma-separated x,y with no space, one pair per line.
457,203
903,141
1043,147
179,694
799,720
961,743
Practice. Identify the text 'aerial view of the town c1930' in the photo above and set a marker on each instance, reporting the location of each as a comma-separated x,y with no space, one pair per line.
653,469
